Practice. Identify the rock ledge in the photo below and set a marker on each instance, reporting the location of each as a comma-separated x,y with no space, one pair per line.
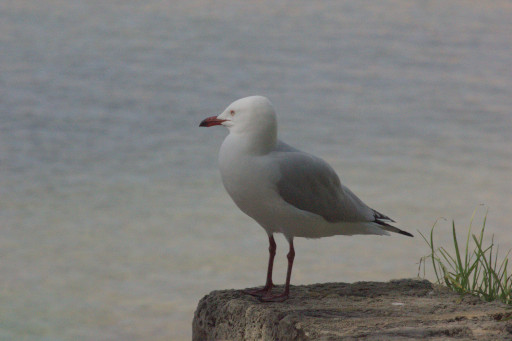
396,310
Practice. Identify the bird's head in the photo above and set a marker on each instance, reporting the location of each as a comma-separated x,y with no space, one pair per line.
249,114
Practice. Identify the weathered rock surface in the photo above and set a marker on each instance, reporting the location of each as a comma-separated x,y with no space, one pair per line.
396,310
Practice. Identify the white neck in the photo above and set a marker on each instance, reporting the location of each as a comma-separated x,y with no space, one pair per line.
257,142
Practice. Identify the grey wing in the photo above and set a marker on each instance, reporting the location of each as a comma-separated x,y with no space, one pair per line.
310,184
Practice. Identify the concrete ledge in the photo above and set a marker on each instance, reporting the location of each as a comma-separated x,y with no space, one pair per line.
396,310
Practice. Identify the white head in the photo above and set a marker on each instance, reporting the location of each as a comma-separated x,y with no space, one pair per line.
253,117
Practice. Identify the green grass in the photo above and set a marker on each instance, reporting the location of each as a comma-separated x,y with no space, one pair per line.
474,270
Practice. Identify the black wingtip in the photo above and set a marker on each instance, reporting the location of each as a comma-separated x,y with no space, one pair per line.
391,228
405,233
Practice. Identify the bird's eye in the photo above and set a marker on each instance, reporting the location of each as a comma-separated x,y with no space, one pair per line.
232,112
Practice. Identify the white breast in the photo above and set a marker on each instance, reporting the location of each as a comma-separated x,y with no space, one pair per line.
249,180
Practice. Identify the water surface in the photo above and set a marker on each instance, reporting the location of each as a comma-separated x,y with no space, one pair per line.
113,219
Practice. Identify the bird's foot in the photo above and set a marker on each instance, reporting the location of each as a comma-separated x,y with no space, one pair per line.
274,298
265,291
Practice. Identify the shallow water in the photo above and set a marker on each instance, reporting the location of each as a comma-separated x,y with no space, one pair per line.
114,222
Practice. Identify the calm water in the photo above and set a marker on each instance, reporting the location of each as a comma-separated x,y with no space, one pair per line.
114,222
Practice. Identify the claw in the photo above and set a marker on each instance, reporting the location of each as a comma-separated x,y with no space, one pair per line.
275,298
259,292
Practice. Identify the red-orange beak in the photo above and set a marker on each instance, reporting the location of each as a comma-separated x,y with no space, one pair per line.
211,121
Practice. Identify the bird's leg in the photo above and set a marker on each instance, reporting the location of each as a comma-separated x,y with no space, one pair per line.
284,295
268,285
272,253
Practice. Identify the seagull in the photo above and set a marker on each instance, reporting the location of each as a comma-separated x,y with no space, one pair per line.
283,189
